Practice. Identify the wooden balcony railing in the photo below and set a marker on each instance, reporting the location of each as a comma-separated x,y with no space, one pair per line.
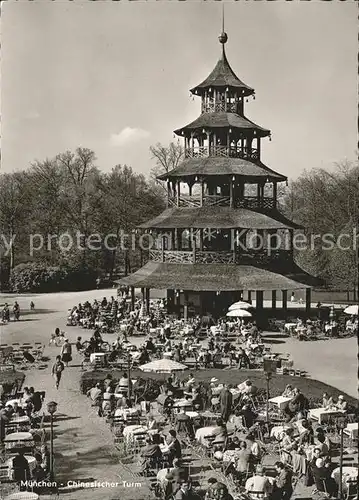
255,203
219,107
249,202
196,201
219,257
245,153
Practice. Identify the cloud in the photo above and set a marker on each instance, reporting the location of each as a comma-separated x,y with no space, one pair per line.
128,135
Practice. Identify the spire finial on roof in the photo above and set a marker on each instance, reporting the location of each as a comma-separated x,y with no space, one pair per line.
223,37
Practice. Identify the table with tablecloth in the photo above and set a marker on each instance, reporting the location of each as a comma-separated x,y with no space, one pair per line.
130,431
349,474
20,402
125,412
23,495
323,414
19,423
97,356
280,401
290,326
351,431
30,460
205,431
19,439
278,431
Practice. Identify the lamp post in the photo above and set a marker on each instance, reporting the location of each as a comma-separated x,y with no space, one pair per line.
51,408
341,425
129,360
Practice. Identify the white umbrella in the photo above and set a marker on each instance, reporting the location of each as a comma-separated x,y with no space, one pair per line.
163,366
239,313
353,310
239,305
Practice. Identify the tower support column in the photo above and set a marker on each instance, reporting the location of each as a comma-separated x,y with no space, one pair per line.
147,300
132,289
274,299
185,305
259,299
285,300
308,300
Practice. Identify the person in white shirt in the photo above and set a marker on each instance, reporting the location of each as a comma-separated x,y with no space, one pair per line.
341,404
258,483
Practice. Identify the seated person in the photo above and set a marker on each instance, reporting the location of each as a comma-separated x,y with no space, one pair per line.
151,454
322,478
243,460
286,445
173,447
327,401
123,384
254,448
17,410
341,404
322,446
184,422
79,345
306,433
220,434
152,424
258,484
45,458
38,473
248,416
95,394
288,391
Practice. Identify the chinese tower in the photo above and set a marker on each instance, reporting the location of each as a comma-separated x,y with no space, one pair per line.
222,236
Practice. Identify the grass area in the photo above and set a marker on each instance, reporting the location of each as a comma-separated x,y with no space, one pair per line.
312,389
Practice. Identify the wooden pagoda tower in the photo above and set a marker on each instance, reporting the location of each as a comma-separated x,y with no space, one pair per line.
222,236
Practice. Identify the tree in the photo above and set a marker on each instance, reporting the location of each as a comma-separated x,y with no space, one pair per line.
128,200
326,204
166,158
15,205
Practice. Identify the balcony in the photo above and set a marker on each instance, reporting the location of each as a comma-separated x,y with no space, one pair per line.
196,201
247,257
219,107
250,154
255,203
248,202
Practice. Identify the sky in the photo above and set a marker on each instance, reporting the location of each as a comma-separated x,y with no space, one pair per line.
115,77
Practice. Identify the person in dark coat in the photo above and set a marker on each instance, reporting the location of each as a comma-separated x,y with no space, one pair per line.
21,468
226,400
283,482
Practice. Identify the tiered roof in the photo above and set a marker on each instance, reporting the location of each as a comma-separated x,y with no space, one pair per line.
214,277
223,76
223,217
223,120
214,166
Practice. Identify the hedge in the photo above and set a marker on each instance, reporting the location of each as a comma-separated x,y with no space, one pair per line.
34,277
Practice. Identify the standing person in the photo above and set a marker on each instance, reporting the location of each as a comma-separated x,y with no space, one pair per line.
292,298
284,481
32,306
226,400
66,352
57,370
16,311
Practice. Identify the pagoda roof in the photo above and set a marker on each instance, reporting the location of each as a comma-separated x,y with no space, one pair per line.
216,166
223,120
223,76
216,277
219,217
